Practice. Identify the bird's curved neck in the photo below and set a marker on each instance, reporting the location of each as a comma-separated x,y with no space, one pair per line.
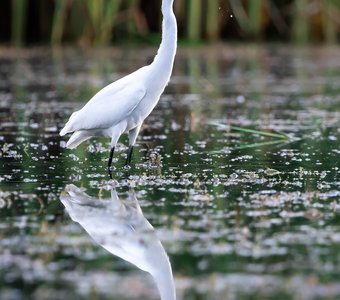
167,50
163,277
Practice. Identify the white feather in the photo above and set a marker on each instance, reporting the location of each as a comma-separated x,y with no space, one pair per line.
123,105
122,98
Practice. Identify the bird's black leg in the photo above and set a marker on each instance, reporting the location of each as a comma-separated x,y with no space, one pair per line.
109,169
129,156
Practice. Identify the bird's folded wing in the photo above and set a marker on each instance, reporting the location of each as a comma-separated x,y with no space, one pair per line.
107,108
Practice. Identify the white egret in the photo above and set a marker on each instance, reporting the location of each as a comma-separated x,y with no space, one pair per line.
123,105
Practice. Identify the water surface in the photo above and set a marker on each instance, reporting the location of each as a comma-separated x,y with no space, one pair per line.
236,171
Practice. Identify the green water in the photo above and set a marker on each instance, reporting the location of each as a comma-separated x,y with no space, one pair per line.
237,170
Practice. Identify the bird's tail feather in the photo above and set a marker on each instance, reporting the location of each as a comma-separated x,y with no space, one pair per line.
69,125
63,131
77,138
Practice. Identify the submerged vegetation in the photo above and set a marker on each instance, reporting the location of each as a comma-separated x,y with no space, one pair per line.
235,170
101,21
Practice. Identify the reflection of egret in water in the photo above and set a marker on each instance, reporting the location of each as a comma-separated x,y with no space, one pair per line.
120,228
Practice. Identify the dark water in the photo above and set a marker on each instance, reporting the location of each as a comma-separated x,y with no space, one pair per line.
235,177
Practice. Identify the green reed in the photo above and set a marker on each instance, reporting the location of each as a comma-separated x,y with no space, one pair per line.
94,22
300,29
212,23
96,18
194,24
18,21
59,20
255,18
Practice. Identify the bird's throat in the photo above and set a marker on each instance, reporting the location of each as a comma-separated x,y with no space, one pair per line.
166,53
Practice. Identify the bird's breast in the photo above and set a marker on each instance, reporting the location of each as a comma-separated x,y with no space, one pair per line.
145,107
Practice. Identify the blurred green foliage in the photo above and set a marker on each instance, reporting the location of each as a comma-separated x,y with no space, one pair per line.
99,22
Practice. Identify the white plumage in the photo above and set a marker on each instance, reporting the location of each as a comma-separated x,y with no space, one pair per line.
123,105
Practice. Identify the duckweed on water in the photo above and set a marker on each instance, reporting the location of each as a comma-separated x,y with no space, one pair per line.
236,170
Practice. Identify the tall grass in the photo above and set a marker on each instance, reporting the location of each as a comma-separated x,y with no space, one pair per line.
300,23
18,18
59,20
96,22
194,19
213,22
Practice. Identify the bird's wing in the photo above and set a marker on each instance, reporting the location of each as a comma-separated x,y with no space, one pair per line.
108,107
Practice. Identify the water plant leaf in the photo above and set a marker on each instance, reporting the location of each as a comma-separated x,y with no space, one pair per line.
249,130
260,132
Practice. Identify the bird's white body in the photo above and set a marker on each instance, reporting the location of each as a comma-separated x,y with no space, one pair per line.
123,105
